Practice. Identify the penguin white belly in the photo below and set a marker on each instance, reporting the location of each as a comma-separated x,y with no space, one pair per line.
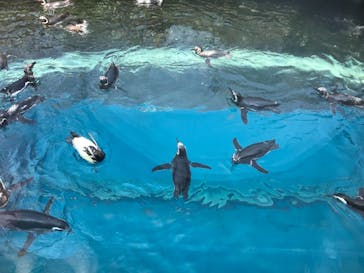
82,145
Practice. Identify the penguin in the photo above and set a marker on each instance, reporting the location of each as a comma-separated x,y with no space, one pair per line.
15,112
334,97
250,154
3,61
252,104
181,172
356,203
55,4
5,193
33,222
149,2
212,53
55,20
21,84
110,77
76,25
87,149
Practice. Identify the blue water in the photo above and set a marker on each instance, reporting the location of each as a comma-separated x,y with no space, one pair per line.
124,217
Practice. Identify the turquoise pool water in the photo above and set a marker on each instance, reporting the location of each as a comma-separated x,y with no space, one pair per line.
124,217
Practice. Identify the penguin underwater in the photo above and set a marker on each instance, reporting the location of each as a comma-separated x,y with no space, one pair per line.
87,149
356,203
5,193
15,112
251,104
109,79
335,97
33,222
181,172
250,154
18,86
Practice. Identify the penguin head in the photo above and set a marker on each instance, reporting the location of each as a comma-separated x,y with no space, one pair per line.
43,20
235,158
103,80
341,197
4,195
3,122
61,225
98,154
4,198
28,69
181,148
197,49
322,91
235,96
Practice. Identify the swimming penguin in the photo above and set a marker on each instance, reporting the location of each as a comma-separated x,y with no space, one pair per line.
181,172
250,154
19,85
33,222
252,104
149,2
15,112
356,203
3,61
110,77
335,97
212,53
76,25
55,4
87,149
55,20
28,68
5,193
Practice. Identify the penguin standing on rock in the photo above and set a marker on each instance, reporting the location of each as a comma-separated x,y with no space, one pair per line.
89,150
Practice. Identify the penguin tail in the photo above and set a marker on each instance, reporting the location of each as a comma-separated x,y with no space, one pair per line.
72,136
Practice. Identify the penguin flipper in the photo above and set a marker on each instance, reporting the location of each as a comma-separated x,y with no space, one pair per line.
26,245
255,165
361,192
236,144
165,166
274,110
48,205
244,115
20,184
200,165
208,62
26,120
